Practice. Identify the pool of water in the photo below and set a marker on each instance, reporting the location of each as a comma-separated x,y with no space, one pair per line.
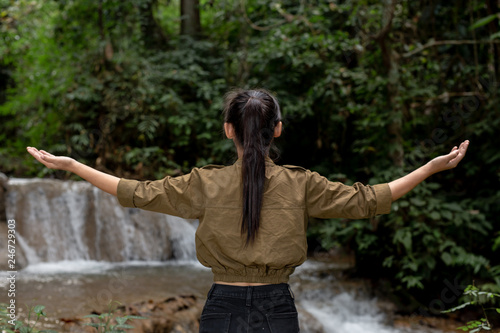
71,289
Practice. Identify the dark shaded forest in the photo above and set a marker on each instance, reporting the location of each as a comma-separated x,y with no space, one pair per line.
369,90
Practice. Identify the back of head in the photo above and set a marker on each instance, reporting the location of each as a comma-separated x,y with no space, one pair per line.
254,114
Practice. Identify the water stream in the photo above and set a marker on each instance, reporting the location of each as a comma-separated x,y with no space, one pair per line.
79,248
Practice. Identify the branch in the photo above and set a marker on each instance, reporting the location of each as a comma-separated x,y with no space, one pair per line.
432,43
287,18
446,96
255,26
390,10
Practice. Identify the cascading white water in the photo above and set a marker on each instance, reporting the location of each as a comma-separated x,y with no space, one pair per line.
66,220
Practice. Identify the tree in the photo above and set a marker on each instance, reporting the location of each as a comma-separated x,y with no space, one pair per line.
190,18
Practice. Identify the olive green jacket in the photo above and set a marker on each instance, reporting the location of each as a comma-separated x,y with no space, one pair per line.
213,194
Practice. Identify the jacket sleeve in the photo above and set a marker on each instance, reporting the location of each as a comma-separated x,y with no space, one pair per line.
327,199
178,196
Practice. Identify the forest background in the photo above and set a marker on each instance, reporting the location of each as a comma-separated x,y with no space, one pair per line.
369,91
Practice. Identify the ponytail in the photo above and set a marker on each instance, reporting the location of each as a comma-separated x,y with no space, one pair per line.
254,114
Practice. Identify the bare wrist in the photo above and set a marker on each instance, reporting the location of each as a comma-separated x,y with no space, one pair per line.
72,166
429,169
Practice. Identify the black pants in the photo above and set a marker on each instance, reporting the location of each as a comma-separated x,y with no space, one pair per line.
263,309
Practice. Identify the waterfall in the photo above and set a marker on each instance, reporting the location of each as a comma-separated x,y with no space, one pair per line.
74,221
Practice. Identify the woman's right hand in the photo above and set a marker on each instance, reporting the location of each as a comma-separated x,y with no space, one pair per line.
451,160
51,161
105,182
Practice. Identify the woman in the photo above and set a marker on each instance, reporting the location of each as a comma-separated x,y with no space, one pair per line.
253,214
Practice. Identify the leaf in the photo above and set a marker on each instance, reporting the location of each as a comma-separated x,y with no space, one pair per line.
435,215
18,324
413,281
403,236
461,306
471,287
447,258
495,35
481,22
404,203
496,245
6,330
433,186
454,207
91,316
121,320
417,202
96,325
136,317
498,310
124,326
447,214
388,261
39,309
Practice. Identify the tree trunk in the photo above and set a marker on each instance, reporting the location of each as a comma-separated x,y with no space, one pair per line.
391,64
494,65
190,18
152,34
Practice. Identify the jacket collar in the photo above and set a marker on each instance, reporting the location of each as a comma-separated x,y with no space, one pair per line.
269,161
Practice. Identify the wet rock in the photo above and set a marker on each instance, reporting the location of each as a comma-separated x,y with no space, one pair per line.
3,194
308,323
76,325
3,246
178,314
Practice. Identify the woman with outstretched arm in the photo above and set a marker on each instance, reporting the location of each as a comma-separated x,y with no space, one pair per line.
253,214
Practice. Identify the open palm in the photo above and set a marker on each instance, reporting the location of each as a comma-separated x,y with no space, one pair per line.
451,160
49,160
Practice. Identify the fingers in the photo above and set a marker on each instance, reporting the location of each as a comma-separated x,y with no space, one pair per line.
34,152
31,149
47,156
463,148
454,152
460,153
46,153
452,156
464,145
39,156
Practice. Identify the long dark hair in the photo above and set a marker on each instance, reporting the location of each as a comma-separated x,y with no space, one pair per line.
254,114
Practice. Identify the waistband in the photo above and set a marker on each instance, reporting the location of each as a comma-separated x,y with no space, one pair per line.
256,275
250,292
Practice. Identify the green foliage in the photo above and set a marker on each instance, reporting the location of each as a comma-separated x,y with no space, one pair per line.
5,318
477,297
424,234
20,327
108,323
484,21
